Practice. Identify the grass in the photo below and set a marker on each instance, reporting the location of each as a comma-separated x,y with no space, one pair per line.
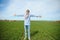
40,30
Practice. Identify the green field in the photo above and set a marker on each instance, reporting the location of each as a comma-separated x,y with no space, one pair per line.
40,30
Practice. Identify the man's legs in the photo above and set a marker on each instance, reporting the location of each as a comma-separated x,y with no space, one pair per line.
27,30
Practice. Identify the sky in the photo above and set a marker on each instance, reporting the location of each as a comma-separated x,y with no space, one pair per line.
48,9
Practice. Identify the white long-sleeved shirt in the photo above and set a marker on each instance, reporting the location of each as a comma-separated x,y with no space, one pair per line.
27,20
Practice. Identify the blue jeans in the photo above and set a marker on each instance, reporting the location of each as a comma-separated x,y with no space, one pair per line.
27,31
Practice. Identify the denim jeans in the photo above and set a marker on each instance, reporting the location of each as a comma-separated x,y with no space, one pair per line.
27,31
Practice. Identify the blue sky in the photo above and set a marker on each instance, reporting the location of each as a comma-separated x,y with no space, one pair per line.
48,9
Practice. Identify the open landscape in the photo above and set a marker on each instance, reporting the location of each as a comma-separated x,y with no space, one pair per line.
40,30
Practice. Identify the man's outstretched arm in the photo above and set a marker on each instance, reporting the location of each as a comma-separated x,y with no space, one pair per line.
35,16
18,15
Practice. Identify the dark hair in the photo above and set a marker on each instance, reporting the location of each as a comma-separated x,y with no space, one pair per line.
27,10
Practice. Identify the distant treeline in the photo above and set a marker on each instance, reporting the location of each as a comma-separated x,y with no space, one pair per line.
32,20
9,20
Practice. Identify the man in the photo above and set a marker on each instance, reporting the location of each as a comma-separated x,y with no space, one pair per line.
27,17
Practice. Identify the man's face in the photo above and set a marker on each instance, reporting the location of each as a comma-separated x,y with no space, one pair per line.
27,12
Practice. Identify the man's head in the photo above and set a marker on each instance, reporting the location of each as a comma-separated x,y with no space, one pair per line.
27,11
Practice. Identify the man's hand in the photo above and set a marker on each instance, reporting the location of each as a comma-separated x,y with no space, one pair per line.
39,16
14,14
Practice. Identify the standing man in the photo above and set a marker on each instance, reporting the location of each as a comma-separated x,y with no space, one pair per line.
27,17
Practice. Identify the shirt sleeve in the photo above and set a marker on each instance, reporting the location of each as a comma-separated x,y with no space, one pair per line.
32,16
20,15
